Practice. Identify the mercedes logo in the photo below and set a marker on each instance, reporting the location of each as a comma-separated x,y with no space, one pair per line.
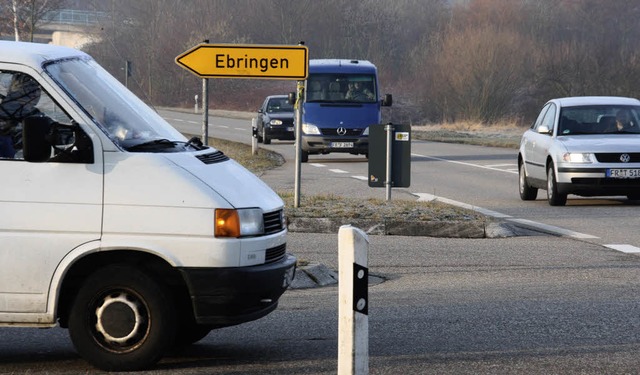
625,158
343,131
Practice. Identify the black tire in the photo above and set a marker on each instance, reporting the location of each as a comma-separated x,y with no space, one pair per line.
304,156
267,139
259,133
122,319
527,193
554,198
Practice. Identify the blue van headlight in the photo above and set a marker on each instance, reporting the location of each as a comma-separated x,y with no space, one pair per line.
310,129
366,131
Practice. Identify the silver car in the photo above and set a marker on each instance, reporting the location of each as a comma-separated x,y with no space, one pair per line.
588,146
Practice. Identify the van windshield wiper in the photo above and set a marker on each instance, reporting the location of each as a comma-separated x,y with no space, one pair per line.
154,144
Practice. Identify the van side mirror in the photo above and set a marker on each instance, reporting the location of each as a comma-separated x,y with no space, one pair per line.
292,98
36,147
387,101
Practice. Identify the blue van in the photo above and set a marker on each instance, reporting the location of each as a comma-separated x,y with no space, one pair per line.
341,102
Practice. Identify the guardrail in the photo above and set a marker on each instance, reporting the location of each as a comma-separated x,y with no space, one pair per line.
74,17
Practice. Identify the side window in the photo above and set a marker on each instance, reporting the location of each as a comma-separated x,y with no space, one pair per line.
22,97
550,118
544,110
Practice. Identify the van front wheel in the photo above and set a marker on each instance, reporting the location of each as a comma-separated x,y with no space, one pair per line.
122,319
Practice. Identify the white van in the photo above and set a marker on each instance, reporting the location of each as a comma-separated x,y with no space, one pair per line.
114,225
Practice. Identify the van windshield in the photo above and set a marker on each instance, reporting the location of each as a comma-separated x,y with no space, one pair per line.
127,120
347,88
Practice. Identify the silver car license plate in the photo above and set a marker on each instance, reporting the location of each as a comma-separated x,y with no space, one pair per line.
623,173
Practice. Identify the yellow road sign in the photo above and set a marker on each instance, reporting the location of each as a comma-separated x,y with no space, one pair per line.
246,61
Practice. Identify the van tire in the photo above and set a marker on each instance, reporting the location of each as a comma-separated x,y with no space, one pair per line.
304,156
115,302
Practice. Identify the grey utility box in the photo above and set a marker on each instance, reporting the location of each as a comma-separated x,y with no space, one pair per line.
400,155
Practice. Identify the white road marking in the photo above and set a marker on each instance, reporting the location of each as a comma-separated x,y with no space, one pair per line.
484,211
338,171
553,229
363,178
500,165
467,164
624,248
532,224
318,165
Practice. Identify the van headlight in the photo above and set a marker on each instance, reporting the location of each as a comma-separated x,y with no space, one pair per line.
310,129
275,122
366,131
236,223
577,157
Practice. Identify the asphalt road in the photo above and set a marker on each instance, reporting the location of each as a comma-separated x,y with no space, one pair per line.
525,305
553,304
482,178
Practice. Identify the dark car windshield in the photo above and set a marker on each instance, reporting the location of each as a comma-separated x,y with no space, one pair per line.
599,119
279,105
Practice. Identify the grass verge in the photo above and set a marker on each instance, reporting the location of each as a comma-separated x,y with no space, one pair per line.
329,205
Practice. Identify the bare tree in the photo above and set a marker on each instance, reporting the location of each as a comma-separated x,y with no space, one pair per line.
27,15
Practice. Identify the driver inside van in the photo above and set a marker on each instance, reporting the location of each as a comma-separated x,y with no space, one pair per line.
22,96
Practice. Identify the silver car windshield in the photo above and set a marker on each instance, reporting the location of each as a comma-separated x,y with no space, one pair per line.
599,119
127,120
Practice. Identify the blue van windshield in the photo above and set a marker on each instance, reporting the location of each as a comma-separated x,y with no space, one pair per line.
347,88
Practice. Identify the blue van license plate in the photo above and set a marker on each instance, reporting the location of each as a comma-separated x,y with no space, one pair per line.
341,144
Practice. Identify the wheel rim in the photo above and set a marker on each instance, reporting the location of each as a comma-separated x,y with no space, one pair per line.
550,184
120,321
522,179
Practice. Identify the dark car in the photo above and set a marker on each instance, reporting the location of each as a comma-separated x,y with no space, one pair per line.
275,119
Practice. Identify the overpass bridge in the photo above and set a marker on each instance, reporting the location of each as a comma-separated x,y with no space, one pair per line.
70,27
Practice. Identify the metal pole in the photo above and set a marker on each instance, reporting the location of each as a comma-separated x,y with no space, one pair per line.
387,182
205,111
298,109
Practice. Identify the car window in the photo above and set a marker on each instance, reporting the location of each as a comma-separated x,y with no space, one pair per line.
599,119
21,97
279,105
549,118
538,121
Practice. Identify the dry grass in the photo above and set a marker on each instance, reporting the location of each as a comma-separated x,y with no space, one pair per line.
336,206
506,134
374,209
240,152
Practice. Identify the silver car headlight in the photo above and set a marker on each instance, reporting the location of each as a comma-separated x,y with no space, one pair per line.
577,157
310,129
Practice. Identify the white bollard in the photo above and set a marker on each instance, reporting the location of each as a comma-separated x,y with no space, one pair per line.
254,137
353,306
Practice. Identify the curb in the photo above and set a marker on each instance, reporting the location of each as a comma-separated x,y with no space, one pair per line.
444,229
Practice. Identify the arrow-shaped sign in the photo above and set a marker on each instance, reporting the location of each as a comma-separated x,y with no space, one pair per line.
246,61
